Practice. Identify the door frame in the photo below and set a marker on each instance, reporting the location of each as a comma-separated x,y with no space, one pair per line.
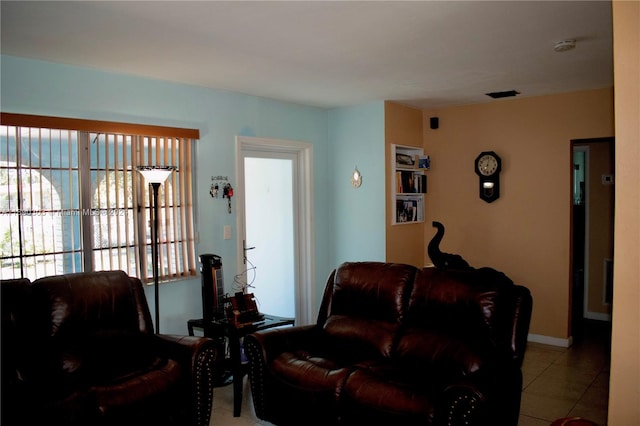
585,145
304,236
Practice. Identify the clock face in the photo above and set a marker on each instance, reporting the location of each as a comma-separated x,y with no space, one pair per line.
487,165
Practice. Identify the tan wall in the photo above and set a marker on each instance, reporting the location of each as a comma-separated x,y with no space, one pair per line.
624,388
525,233
404,243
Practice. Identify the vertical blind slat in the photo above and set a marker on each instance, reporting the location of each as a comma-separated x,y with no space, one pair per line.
126,206
70,195
183,222
189,207
139,228
161,156
174,211
107,186
31,206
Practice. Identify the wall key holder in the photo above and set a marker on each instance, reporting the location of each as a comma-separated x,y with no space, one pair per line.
221,184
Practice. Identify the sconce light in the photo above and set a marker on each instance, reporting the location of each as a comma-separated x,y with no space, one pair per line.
356,178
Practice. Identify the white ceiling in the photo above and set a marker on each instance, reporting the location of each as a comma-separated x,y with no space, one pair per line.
424,53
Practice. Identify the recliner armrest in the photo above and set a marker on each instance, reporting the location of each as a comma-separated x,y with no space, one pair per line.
263,346
488,396
196,355
184,349
276,341
464,403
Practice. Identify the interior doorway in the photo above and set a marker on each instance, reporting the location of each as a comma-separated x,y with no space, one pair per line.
591,232
275,235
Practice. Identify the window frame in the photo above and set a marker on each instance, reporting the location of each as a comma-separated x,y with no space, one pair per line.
143,134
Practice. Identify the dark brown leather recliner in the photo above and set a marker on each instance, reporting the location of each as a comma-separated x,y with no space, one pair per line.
79,349
397,345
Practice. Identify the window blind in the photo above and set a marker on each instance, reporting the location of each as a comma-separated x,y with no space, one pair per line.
73,201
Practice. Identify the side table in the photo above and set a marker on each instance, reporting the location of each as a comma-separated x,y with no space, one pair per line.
222,327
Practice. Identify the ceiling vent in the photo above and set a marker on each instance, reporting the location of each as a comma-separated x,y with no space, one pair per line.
505,94
564,45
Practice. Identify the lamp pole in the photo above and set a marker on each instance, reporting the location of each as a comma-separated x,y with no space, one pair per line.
155,175
154,252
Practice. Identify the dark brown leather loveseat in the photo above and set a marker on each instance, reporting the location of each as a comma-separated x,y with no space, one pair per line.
396,345
79,349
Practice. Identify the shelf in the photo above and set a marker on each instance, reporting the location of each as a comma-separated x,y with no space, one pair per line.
408,185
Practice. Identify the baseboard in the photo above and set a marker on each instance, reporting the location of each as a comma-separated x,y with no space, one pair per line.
599,316
548,340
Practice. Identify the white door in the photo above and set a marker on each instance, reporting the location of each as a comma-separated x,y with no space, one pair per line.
274,226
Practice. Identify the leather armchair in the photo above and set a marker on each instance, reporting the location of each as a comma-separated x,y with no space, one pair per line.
79,349
394,344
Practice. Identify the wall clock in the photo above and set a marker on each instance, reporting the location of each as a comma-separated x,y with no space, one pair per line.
487,167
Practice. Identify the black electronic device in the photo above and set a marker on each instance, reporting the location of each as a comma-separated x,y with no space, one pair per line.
212,287
242,309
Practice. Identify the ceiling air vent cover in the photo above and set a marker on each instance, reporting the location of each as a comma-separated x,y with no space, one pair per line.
505,94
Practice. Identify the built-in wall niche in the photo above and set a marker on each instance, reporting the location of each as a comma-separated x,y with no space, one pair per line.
408,183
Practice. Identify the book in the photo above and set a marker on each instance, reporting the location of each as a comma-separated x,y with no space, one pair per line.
409,210
424,162
408,182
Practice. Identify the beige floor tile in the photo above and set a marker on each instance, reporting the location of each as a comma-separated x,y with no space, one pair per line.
590,412
222,413
602,380
596,397
544,407
557,387
572,372
588,362
531,421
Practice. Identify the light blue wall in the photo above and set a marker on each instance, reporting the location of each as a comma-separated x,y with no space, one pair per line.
349,224
356,138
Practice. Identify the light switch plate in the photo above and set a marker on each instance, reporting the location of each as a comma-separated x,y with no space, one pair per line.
227,232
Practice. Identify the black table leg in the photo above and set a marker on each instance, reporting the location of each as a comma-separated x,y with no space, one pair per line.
222,327
236,366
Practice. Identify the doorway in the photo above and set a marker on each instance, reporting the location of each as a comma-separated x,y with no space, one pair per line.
591,232
275,235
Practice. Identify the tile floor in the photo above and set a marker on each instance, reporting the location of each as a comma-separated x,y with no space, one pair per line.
558,382
567,382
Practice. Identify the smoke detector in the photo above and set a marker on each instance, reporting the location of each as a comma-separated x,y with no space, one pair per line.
564,45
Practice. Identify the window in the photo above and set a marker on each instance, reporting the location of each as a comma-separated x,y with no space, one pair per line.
71,200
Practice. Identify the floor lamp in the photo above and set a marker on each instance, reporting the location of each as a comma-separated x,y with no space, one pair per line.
155,175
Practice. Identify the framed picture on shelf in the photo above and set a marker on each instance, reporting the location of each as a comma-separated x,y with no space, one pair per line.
404,160
424,162
406,211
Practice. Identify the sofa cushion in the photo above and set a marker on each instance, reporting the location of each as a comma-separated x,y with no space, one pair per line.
433,352
306,371
449,323
152,384
388,394
310,383
356,339
91,328
78,304
103,357
367,306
